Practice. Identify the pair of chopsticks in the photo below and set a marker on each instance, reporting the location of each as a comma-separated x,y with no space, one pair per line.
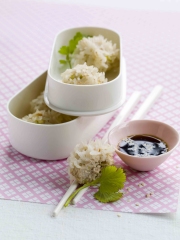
122,116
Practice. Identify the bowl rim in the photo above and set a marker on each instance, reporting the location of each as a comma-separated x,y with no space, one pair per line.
92,85
145,120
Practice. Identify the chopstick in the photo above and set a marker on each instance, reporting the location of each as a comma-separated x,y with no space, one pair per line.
120,117
146,105
149,101
124,112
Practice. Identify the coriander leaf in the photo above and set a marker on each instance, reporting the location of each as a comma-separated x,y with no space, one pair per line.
64,50
63,61
72,46
112,179
68,50
107,197
77,37
77,40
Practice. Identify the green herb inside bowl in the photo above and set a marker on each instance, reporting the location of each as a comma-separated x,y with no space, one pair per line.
68,50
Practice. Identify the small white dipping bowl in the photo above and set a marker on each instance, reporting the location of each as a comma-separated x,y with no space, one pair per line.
47,141
149,127
84,99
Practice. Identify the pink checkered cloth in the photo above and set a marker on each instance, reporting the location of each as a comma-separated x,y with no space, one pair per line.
152,51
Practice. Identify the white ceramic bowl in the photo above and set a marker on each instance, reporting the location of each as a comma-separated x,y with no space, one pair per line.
47,142
138,127
85,98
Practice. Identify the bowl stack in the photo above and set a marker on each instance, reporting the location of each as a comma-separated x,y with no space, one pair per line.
92,104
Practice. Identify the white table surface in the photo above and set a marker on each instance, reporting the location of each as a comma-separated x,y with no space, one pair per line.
32,221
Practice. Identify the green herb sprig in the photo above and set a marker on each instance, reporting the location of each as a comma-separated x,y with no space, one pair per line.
112,180
68,50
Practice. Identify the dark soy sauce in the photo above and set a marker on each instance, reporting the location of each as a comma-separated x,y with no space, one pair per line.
142,146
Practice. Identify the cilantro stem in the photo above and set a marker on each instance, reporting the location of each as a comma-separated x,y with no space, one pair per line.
70,64
68,60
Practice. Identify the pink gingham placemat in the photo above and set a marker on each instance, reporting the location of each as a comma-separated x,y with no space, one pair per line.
152,51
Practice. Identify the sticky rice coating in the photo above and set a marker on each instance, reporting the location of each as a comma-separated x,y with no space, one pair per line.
87,160
40,113
96,51
38,104
83,75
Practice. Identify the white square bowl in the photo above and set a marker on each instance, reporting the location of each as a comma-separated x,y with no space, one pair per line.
84,99
45,141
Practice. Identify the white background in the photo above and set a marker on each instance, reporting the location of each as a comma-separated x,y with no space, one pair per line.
162,5
31,221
